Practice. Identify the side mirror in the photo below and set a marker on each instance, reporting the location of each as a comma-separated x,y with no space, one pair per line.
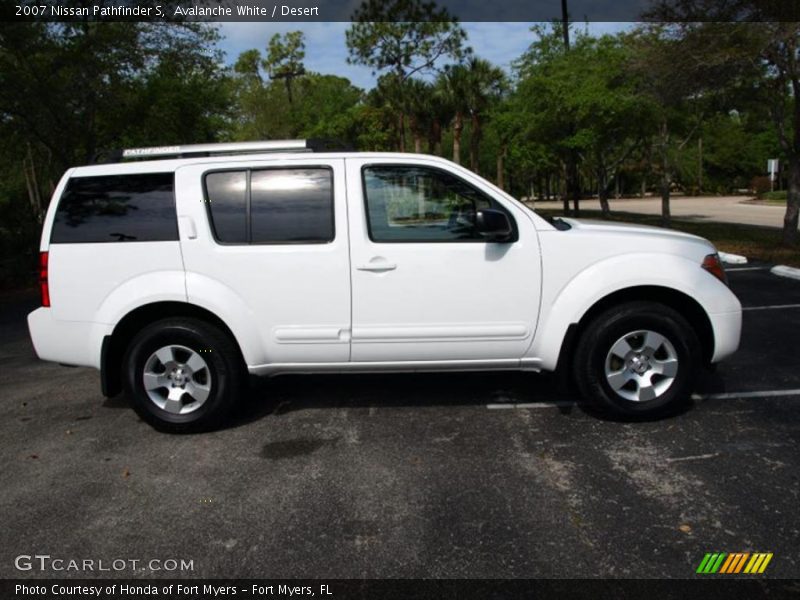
493,225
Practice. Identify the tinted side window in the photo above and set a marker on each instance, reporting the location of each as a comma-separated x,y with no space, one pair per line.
227,200
416,204
271,206
117,208
291,205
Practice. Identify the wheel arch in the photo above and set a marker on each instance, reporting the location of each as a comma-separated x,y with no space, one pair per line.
115,344
684,304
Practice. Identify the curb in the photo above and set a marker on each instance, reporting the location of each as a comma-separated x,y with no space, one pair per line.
732,259
784,271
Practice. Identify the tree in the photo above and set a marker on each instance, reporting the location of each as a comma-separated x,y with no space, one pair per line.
736,144
91,81
778,47
583,105
678,98
528,160
485,86
455,83
722,44
610,117
418,107
257,104
440,113
72,92
552,43
370,127
284,59
404,37
573,178
387,96
322,108
247,66
773,48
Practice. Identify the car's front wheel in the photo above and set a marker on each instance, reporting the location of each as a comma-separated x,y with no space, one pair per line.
183,375
639,358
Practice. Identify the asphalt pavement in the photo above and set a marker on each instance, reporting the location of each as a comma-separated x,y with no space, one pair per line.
483,475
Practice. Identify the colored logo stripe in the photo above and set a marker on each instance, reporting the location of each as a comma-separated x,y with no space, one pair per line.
711,562
722,562
758,563
735,562
727,564
741,562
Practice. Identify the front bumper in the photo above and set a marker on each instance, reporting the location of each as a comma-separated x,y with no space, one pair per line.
727,328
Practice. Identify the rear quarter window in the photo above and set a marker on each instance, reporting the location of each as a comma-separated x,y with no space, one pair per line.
117,208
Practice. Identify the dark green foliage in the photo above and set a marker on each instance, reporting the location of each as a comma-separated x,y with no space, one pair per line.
72,92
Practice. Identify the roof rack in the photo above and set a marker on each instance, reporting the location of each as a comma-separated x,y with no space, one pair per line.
193,150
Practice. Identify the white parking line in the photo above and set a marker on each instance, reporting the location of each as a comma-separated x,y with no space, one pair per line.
694,457
737,395
530,405
773,307
724,396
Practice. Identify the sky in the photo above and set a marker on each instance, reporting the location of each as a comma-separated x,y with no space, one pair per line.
500,43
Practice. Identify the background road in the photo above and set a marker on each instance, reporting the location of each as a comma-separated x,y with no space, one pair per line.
724,209
456,475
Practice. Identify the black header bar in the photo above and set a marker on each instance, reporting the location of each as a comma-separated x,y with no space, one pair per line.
344,10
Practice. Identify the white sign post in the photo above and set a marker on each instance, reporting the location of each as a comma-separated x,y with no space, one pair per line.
772,167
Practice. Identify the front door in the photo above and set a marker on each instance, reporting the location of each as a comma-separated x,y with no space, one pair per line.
426,285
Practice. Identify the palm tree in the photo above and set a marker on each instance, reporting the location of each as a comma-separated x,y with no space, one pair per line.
471,89
441,113
455,84
486,84
388,94
418,106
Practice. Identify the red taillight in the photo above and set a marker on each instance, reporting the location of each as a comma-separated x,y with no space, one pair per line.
713,265
43,287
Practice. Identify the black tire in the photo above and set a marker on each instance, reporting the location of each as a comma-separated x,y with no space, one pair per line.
593,355
223,375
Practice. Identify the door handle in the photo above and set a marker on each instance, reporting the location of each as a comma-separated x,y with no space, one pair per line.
187,225
377,265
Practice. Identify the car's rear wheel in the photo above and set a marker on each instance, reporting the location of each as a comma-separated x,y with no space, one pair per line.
183,375
639,358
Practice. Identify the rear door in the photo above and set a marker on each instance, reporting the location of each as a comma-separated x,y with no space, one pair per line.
270,252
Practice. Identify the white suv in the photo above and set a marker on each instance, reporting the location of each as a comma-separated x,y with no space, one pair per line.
177,275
